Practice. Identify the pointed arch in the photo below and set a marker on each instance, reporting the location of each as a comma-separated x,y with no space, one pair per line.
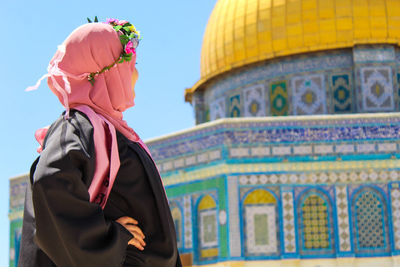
177,217
207,228
261,223
315,223
370,222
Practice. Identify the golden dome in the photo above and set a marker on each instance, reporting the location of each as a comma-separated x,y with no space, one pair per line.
240,32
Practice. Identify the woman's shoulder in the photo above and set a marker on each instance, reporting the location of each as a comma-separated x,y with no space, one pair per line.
74,129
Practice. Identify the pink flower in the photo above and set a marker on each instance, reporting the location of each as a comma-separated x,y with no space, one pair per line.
121,22
110,21
129,48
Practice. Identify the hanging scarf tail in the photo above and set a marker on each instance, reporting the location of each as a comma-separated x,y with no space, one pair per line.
107,156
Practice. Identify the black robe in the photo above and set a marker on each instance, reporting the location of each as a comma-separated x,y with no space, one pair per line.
62,228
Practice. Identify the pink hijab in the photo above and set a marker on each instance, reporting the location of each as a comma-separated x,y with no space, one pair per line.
88,49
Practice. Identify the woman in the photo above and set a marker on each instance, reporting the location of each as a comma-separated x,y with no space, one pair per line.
96,197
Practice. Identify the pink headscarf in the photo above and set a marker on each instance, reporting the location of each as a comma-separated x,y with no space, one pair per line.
88,49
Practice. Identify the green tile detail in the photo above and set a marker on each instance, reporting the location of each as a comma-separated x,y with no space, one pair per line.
234,106
207,115
15,227
278,96
201,186
341,92
261,232
210,228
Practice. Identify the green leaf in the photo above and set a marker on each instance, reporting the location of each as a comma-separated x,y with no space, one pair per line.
96,19
126,29
121,60
89,20
128,57
117,28
131,35
126,24
124,39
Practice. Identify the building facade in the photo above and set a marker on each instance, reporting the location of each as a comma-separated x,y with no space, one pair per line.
298,191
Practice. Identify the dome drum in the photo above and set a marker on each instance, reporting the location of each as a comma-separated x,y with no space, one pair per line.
362,79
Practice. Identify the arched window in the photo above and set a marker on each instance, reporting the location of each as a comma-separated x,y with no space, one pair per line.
208,228
177,217
369,210
261,228
315,224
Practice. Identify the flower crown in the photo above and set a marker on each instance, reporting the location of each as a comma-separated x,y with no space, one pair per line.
129,38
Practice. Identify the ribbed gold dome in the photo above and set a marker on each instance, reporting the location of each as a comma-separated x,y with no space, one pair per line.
240,32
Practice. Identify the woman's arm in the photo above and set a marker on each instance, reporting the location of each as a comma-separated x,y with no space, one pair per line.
69,229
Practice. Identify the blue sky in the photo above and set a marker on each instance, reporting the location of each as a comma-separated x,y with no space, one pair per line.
168,62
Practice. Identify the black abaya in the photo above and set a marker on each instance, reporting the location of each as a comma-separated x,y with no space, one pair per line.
62,228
